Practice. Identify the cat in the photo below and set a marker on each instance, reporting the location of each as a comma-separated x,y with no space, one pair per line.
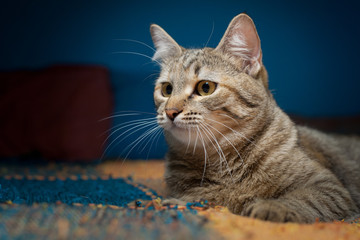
231,144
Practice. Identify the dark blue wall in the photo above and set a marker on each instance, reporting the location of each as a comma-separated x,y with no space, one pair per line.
311,50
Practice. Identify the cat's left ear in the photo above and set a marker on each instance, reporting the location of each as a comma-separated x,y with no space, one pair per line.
165,45
242,42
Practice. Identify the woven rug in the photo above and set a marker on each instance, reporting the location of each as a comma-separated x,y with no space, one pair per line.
116,200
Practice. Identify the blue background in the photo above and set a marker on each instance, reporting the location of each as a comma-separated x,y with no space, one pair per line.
311,49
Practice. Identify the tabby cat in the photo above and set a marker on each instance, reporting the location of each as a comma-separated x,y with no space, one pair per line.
231,144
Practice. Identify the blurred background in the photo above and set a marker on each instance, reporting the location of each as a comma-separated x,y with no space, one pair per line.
310,48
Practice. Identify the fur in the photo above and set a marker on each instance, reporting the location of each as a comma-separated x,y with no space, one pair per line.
236,147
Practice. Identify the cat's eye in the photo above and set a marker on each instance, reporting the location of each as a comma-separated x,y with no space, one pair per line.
166,89
204,88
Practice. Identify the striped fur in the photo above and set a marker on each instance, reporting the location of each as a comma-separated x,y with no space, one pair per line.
237,148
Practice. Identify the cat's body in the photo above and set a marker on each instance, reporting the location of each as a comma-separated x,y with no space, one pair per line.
231,144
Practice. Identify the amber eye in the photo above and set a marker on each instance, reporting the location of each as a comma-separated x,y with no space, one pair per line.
166,89
205,88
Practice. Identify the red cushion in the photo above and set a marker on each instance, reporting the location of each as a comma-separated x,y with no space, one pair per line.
56,112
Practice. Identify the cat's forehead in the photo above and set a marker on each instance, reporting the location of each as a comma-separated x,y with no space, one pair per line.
190,65
191,56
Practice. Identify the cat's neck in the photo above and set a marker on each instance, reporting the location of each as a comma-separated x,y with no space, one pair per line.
243,152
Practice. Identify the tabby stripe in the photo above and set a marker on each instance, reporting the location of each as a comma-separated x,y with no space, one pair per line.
337,193
197,70
189,60
334,201
241,97
188,64
246,149
256,137
283,190
313,206
226,110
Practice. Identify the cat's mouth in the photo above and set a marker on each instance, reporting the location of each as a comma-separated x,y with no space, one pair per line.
182,128
185,133
180,123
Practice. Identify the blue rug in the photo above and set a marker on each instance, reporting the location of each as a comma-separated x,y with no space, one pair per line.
77,201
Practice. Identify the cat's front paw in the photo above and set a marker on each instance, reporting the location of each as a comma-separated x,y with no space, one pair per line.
271,210
237,205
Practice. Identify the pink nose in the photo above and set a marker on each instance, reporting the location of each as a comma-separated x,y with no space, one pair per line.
172,113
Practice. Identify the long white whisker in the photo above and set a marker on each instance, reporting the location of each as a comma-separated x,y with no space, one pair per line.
242,160
151,139
132,111
189,139
217,148
139,140
236,132
221,114
120,115
138,122
196,139
212,31
220,149
128,124
143,125
153,74
157,136
205,158
136,41
140,54
126,113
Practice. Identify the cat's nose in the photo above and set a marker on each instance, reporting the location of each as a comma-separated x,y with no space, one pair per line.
172,113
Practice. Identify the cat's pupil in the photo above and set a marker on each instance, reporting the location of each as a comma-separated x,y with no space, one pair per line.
168,89
205,87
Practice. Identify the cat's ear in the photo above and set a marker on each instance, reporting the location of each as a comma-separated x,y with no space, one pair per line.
165,45
241,41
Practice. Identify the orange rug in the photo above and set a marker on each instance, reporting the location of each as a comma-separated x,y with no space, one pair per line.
226,224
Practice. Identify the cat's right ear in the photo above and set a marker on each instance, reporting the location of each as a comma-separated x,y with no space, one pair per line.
165,45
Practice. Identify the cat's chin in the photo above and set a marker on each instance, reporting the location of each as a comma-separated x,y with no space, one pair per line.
184,134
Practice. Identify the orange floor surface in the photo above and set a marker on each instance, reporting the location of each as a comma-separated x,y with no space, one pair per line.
228,225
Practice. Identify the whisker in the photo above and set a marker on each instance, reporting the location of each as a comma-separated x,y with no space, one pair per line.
131,122
217,148
221,114
196,139
220,149
205,157
127,124
189,139
157,136
136,41
151,139
139,54
242,160
142,126
234,131
119,115
153,74
126,113
139,140
212,31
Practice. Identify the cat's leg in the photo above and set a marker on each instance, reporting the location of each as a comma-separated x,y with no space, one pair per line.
229,196
276,210
324,201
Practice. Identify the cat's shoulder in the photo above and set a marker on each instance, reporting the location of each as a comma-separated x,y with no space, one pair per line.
328,147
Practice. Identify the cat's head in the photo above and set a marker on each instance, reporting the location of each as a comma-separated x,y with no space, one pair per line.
210,90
